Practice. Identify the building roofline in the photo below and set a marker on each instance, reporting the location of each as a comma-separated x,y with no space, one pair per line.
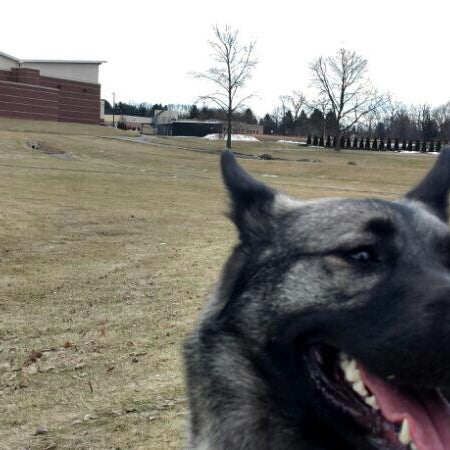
62,61
50,61
9,56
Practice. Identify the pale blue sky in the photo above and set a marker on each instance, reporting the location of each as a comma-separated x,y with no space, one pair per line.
151,46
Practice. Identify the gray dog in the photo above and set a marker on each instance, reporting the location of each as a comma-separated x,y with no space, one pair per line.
330,326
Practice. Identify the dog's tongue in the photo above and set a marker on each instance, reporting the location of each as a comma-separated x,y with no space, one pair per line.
428,413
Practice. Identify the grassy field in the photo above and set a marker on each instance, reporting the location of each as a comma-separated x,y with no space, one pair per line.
107,249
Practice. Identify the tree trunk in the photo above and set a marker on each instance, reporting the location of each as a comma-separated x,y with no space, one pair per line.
229,129
338,142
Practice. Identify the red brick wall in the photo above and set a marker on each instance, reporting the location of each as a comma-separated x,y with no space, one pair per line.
26,94
5,75
27,76
78,102
28,101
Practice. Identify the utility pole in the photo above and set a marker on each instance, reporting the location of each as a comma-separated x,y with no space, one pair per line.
114,106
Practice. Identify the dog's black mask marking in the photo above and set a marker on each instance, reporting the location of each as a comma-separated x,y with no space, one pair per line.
307,283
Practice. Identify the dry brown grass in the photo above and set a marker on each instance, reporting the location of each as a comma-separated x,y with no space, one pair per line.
105,261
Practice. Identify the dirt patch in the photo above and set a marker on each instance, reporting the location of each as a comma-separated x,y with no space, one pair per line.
314,161
42,147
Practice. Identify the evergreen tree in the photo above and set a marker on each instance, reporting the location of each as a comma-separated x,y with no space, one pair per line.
249,117
108,107
367,146
269,125
410,146
331,124
347,143
404,145
375,144
381,146
308,140
321,141
355,142
334,142
396,144
431,146
430,128
342,142
361,144
424,146
194,113
315,141
301,124
316,121
417,146
143,110
389,144
287,124
438,146
328,143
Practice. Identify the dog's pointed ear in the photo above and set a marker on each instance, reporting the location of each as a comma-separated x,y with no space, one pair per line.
251,200
434,188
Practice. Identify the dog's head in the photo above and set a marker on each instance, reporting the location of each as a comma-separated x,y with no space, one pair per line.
344,306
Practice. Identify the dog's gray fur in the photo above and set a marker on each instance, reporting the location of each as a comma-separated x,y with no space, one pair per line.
289,282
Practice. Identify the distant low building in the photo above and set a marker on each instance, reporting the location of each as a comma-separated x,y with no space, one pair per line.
130,122
189,127
199,128
245,128
164,116
64,91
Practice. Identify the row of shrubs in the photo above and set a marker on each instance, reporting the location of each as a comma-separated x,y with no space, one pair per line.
375,144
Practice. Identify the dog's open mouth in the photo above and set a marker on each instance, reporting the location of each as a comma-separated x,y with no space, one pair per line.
393,417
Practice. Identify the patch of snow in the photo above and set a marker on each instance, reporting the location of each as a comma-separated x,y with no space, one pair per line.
281,141
234,137
409,152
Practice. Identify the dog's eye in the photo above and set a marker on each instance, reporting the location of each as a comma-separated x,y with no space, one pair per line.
363,255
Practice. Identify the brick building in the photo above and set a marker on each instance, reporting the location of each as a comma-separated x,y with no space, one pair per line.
64,91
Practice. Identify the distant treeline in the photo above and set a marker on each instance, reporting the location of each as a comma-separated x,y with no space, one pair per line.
185,111
417,122
133,109
400,122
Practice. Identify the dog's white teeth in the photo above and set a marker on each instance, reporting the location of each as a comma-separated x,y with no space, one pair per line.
405,436
360,389
350,370
353,376
372,401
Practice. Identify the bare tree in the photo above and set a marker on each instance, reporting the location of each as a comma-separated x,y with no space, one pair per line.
293,102
342,82
442,113
233,67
